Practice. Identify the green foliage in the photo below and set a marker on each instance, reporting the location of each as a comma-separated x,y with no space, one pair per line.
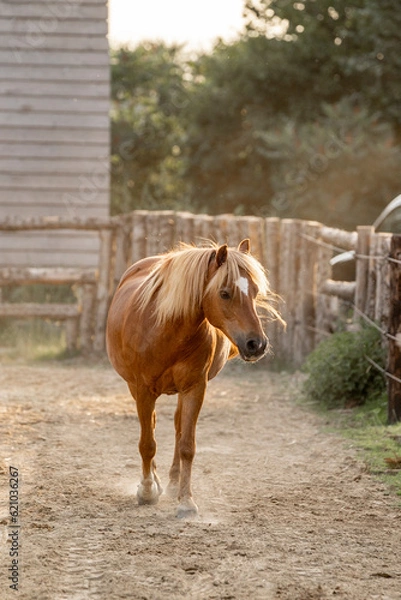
39,293
353,47
298,117
32,339
339,374
226,173
148,96
379,445
319,165
341,378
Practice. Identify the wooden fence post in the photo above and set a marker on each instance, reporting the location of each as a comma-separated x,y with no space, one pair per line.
121,248
305,309
323,320
289,261
103,289
184,226
86,322
152,233
275,330
222,225
71,334
371,287
203,229
362,268
394,329
139,234
382,279
166,230
254,229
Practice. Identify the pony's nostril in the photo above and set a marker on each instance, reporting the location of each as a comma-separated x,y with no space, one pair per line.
256,346
253,346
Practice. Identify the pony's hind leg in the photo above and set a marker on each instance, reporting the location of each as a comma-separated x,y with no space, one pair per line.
149,489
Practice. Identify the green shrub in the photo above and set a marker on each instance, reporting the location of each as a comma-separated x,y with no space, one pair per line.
339,374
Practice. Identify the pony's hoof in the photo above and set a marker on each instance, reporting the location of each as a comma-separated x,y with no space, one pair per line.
187,509
148,494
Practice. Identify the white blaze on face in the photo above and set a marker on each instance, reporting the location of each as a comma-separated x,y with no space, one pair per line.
243,284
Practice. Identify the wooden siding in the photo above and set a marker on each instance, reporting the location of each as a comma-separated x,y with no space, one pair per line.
54,125
50,249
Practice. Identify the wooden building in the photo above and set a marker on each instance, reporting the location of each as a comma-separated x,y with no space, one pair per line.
54,126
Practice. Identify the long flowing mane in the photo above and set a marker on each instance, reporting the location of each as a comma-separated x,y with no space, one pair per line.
177,283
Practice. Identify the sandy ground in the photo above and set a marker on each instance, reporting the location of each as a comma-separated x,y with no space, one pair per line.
287,511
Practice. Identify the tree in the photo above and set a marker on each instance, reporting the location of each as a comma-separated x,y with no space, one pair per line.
296,62
228,103
342,48
336,169
148,96
300,116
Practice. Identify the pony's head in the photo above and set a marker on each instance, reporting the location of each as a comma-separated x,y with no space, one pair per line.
224,285
236,286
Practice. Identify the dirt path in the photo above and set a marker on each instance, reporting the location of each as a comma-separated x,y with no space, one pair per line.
286,510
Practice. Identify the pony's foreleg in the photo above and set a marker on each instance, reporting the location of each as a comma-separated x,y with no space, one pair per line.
149,489
191,403
174,474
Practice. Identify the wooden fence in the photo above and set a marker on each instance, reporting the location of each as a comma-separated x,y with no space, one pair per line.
295,253
85,319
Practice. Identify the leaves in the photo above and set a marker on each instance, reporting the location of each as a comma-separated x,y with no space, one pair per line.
148,93
298,117
338,373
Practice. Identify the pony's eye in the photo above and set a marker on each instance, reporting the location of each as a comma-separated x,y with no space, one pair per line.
225,295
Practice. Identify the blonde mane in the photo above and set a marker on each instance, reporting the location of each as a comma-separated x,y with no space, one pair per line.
177,282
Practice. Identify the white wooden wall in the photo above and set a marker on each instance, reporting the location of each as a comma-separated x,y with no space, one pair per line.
54,125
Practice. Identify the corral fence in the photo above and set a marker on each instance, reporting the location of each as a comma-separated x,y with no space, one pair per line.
296,254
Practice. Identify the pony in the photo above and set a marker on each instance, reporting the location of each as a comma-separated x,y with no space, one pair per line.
174,321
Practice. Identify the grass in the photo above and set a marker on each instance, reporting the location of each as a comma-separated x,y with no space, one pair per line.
343,385
378,444
32,340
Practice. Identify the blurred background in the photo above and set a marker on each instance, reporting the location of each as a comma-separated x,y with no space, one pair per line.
265,107
268,108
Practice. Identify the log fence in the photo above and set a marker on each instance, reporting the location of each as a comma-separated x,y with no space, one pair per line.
85,319
295,253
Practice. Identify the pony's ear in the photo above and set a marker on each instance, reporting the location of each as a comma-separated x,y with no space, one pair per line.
221,255
245,246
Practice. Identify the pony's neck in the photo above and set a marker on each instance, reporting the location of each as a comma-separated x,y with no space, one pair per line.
178,286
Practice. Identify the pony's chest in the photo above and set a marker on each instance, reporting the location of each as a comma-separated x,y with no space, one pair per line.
192,363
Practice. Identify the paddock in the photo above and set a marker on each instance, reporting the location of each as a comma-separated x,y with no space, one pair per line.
295,516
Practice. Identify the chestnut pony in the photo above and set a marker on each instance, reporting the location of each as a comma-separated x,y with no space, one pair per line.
174,321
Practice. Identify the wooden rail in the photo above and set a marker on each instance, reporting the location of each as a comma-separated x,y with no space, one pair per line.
27,310
58,276
295,253
54,223
78,317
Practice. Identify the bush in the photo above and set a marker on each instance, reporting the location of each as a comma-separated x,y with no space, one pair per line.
339,374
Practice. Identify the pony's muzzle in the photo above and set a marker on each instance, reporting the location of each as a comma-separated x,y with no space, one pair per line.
253,347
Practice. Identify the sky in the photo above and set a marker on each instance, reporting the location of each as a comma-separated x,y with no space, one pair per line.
197,24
